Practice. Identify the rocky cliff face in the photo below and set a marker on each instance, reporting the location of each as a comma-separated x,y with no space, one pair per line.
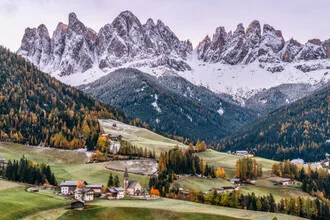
248,45
76,48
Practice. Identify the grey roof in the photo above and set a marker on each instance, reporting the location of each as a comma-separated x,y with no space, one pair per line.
116,189
69,183
94,186
235,179
3,159
132,184
119,189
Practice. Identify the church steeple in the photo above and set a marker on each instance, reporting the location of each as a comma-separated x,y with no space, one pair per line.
125,180
126,173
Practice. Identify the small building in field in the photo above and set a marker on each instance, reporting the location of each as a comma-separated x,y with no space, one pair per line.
3,162
225,189
115,137
298,161
236,181
286,182
242,153
116,193
97,188
78,205
145,193
84,194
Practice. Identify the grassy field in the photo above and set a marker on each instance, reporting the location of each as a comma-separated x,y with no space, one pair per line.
16,203
67,165
140,137
228,161
142,166
195,183
124,213
155,209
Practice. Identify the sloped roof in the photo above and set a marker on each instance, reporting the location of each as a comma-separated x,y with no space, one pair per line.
69,183
94,186
132,184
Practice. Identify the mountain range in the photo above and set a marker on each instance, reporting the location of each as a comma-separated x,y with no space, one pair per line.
252,71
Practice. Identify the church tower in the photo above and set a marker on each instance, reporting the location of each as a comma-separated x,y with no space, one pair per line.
125,180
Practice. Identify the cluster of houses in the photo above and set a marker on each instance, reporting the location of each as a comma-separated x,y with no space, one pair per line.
83,192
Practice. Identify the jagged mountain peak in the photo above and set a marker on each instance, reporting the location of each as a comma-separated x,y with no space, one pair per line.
77,48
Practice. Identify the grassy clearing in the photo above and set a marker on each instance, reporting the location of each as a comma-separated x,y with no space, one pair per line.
195,183
4,184
190,207
135,213
141,166
140,137
16,203
67,165
228,161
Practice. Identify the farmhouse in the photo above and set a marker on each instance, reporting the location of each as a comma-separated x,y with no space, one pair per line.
285,182
236,181
132,188
225,189
96,188
116,193
241,153
68,187
298,161
3,162
84,194
78,205
112,137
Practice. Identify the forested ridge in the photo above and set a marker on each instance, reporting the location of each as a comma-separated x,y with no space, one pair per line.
37,109
297,130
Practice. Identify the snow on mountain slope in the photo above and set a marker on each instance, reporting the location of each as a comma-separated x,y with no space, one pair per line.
239,63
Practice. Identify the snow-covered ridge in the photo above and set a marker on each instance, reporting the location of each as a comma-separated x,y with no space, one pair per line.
239,63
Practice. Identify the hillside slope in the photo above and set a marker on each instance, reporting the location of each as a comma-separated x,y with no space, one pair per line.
170,104
37,109
297,130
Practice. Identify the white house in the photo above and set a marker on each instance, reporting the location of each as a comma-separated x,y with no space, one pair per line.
84,194
298,161
68,187
116,193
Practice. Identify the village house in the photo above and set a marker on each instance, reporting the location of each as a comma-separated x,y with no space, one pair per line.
78,205
96,188
286,182
114,137
298,161
224,189
241,153
236,181
116,193
132,188
68,186
3,162
84,194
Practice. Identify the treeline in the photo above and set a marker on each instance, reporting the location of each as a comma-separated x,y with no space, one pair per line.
299,130
181,161
37,109
248,168
127,148
297,206
314,181
26,171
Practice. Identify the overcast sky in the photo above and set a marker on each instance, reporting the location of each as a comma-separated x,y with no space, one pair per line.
188,19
